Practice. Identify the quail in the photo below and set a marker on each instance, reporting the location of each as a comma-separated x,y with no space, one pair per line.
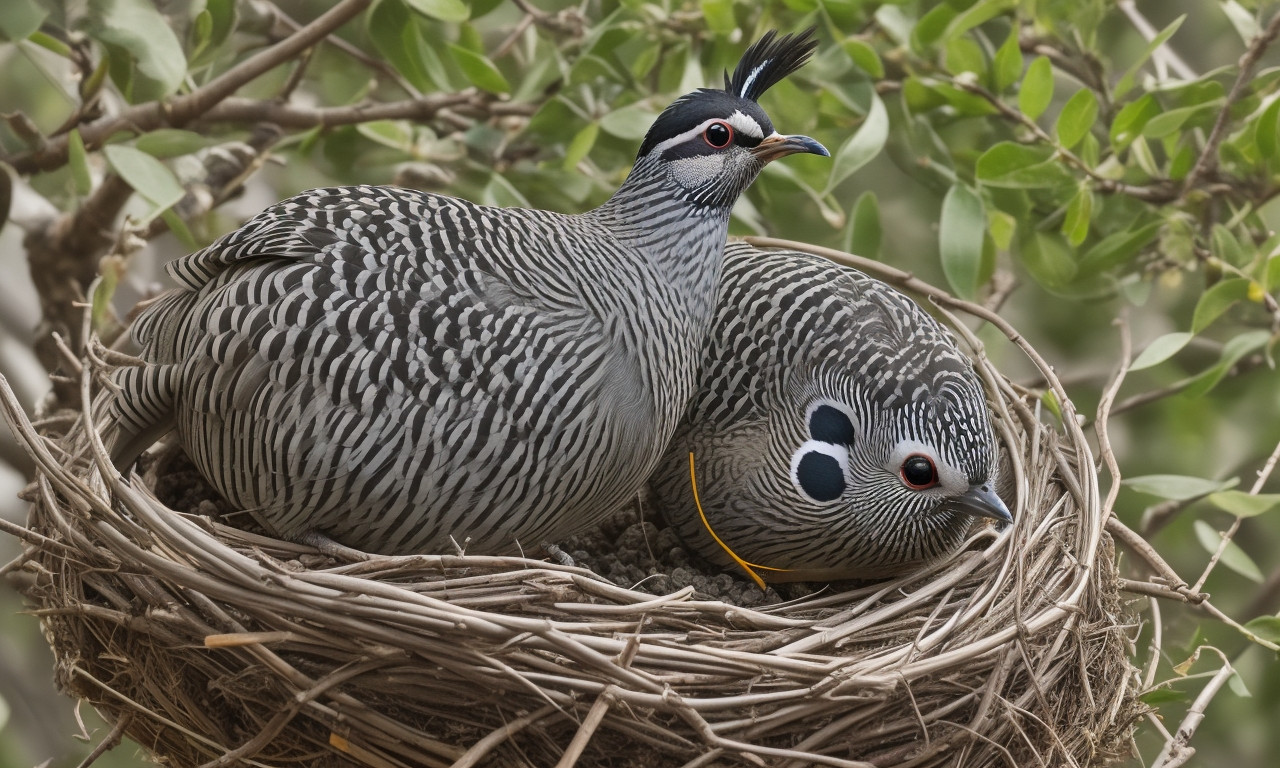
403,372
837,431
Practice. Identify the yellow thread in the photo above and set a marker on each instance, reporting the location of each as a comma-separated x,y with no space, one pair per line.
693,481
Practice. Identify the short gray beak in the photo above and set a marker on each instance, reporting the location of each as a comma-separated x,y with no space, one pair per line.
982,501
777,145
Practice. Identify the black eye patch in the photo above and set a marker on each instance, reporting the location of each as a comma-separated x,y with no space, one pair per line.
828,424
820,476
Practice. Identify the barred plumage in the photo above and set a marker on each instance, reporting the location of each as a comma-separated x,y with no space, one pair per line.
394,369
818,386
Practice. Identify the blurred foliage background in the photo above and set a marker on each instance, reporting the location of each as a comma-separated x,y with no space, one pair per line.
1104,173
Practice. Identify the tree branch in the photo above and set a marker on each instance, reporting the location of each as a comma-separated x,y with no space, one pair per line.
1208,159
470,101
182,110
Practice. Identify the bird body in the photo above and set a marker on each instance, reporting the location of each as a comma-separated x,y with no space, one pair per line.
402,371
837,430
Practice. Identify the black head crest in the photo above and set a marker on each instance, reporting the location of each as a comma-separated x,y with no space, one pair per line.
769,60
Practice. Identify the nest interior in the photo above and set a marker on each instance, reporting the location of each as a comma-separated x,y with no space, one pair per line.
218,646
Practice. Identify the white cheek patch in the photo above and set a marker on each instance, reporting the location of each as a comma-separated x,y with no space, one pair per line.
746,125
696,171
820,471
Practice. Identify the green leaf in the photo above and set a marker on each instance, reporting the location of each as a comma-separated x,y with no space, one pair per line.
1266,130
1265,627
1226,246
395,33
719,16
931,26
1232,352
480,72
1169,121
979,13
19,19
78,159
1233,556
1077,117
1007,67
1118,248
1243,504
1131,119
960,236
444,10
1020,166
865,231
1158,696
395,134
1177,487
1075,225
180,230
172,142
1127,79
630,122
137,27
860,148
1237,686
1217,300
1037,88
103,289
1048,258
962,54
1245,24
864,56
1002,227
148,176
581,145
1161,349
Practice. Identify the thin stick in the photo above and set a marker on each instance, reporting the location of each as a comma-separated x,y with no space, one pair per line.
110,742
1176,752
1261,480
1208,159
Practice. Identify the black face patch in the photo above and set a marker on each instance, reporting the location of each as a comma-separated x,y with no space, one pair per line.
820,476
829,424
693,109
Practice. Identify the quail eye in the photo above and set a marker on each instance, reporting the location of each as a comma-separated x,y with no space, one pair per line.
919,473
718,134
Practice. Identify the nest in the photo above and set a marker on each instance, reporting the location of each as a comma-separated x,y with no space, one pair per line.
210,646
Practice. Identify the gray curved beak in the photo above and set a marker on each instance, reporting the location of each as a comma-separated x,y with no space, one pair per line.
981,500
777,145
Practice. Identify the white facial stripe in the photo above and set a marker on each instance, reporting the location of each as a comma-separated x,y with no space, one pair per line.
751,78
745,125
694,132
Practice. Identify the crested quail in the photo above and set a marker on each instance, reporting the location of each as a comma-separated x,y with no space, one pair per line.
398,371
837,431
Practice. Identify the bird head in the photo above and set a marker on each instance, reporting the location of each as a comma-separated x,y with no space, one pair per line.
712,143
893,445
839,431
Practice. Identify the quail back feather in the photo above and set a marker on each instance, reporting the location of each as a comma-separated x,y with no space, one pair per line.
394,369
837,431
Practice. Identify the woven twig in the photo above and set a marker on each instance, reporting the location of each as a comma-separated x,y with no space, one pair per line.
223,648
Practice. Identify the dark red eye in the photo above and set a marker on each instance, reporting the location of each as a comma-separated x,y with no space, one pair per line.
718,134
919,473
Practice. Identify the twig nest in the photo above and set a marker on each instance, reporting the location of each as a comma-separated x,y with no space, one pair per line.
222,647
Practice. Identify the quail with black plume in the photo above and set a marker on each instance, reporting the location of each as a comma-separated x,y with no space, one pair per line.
837,431
398,371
